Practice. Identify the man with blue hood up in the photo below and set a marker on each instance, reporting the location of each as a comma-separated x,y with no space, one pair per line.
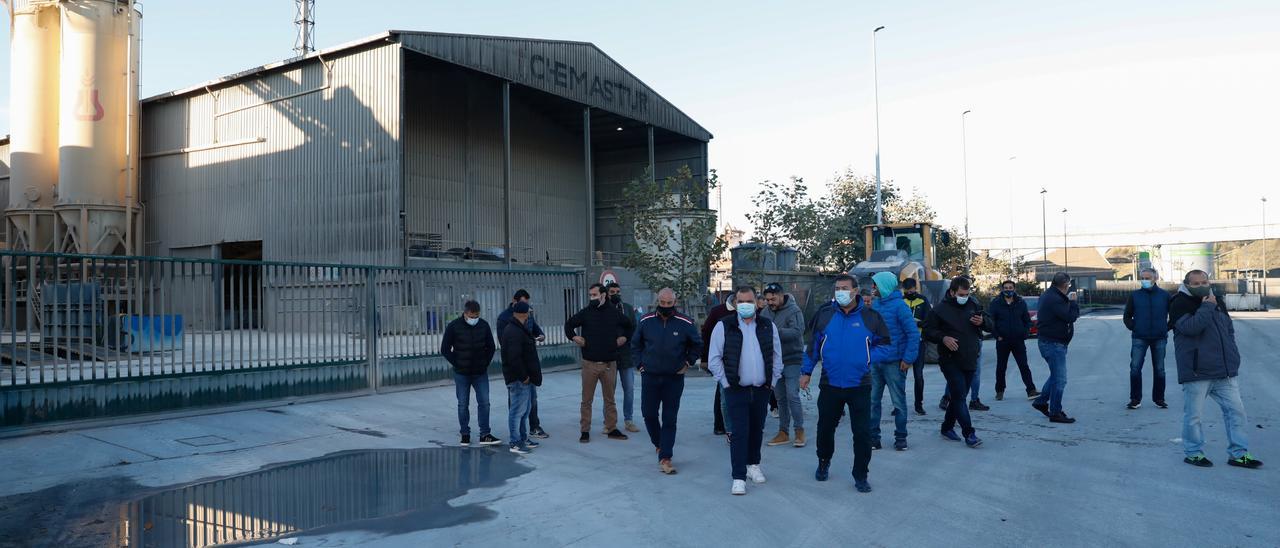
904,348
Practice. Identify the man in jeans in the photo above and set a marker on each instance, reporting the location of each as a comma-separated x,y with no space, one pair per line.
522,371
891,373
746,360
626,369
1013,325
468,346
522,296
1058,314
605,330
786,315
1204,340
846,338
1146,314
665,344
920,307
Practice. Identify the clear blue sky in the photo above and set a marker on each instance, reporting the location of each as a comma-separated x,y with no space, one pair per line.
1132,114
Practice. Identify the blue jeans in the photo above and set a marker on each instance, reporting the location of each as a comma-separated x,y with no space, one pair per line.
748,406
1136,356
627,379
890,375
1054,354
787,392
464,384
521,395
1227,393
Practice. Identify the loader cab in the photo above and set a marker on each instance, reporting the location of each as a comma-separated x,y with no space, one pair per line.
920,241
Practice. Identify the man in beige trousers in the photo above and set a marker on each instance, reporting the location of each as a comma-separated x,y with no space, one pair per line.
602,332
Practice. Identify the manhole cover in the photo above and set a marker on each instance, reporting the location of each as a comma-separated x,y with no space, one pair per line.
204,441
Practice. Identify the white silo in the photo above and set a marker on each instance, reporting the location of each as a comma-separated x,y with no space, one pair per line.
97,126
33,80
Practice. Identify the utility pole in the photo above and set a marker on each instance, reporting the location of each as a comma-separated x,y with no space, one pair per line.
875,75
306,22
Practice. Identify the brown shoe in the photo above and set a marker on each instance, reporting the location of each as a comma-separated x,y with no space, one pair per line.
781,439
666,467
631,427
799,437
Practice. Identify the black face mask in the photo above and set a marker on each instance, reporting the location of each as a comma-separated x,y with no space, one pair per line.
666,311
909,294
615,299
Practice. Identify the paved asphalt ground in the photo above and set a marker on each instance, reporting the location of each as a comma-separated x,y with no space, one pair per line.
1115,478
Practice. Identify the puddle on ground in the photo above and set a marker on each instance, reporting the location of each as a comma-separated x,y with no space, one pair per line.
384,491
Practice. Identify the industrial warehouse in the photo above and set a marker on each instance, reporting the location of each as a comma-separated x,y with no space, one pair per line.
310,224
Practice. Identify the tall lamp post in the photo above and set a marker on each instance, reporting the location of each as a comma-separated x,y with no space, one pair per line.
964,148
1012,184
1264,249
875,75
1044,228
1066,264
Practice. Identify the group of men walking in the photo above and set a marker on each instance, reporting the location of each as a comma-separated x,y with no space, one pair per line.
757,350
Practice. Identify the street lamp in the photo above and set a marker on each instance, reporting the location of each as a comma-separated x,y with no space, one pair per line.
1044,228
1012,177
1066,264
875,75
964,147
1264,249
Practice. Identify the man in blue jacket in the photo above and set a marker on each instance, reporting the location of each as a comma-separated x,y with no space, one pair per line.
1013,325
905,348
666,342
1146,314
1057,317
846,338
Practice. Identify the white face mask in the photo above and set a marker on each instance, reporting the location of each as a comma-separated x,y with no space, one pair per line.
962,300
844,297
746,310
472,321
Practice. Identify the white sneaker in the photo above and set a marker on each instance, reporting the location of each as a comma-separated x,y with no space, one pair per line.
753,472
739,487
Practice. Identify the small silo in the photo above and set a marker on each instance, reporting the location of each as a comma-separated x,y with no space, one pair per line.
33,76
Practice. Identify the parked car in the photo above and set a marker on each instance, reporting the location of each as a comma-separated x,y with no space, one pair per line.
1033,306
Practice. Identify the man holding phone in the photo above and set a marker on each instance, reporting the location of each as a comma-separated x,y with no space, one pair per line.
1058,314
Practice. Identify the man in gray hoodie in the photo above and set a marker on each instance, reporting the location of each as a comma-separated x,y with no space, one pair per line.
787,316
1204,341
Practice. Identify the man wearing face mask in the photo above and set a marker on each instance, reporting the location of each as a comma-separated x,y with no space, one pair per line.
468,346
626,373
1057,317
714,316
846,338
1146,314
789,319
522,296
666,343
1013,325
605,330
746,359
1204,341
920,308
956,326
891,373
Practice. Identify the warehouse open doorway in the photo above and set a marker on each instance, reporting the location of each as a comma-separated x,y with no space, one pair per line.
241,285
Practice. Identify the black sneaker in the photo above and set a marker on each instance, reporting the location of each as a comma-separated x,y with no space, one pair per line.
1162,405
920,409
823,471
617,435
1133,404
1199,460
586,437
977,405
539,433
944,403
1033,394
1247,461
952,435
1043,408
900,445
1061,418
466,441
718,432
895,412
1000,395
488,439
862,485
875,445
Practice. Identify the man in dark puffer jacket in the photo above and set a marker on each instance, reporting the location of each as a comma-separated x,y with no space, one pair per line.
468,347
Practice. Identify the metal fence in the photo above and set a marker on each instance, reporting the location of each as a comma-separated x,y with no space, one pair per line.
75,318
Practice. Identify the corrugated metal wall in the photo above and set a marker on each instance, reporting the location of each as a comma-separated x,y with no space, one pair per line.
576,70
322,185
453,154
614,169
4,187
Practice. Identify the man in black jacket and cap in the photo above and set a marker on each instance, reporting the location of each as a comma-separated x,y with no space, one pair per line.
522,371
468,346
605,331
956,326
522,296
1012,321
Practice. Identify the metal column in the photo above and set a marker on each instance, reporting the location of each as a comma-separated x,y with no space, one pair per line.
652,167
591,195
506,171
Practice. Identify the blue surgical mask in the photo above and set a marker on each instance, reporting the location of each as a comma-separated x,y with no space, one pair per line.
962,300
844,297
1146,284
746,310
472,321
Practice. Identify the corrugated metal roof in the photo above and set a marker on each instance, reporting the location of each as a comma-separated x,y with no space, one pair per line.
578,71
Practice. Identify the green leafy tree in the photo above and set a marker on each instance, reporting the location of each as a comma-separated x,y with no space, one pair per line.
675,238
